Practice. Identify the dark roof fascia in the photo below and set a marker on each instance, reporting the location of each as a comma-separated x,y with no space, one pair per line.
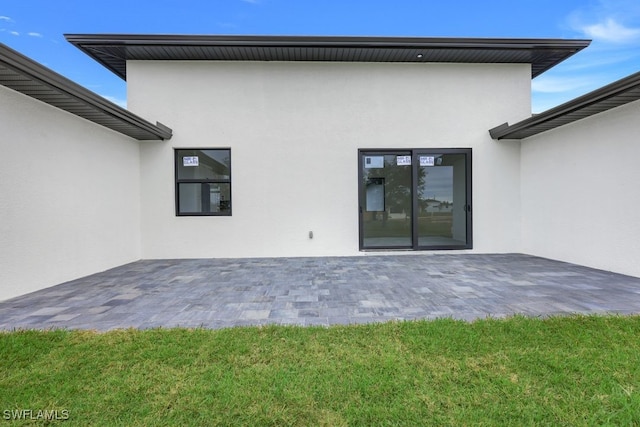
79,96
582,107
111,49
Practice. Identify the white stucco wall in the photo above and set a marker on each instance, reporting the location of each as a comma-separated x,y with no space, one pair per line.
294,130
69,196
580,194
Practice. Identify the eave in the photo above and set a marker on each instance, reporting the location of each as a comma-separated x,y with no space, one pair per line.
618,93
19,73
114,50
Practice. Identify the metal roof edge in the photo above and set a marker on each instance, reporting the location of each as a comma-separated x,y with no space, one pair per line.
498,131
504,130
33,70
276,40
110,50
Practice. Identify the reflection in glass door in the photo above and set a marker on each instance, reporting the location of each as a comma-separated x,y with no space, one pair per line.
387,205
415,199
442,200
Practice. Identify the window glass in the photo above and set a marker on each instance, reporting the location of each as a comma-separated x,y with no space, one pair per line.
386,217
415,199
203,181
442,199
204,164
204,198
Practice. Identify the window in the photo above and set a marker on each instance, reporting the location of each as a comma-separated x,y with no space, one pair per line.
203,181
415,199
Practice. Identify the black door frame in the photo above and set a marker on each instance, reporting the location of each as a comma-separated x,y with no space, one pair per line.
415,164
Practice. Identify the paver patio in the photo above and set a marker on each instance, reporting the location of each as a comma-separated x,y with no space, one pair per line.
217,293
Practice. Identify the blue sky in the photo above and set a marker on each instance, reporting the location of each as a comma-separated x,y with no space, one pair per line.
36,27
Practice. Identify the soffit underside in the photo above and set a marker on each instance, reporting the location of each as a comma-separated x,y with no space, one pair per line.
23,75
114,50
611,96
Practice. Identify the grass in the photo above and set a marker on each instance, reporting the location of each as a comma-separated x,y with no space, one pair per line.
579,370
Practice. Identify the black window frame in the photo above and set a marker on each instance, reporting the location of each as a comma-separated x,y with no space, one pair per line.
415,153
177,158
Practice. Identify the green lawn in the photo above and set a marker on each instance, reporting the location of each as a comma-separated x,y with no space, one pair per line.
520,371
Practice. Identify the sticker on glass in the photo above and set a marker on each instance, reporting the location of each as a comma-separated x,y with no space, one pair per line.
190,161
427,161
403,160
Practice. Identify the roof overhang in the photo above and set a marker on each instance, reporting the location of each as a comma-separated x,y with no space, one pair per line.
613,95
113,50
23,75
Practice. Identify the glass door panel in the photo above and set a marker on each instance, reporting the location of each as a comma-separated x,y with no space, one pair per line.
442,205
386,205
415,199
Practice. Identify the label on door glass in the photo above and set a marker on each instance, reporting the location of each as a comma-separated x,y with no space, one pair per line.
403,160
427,161
190,161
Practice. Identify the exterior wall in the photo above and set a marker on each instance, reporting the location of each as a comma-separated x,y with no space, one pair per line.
580,198
294,130
69,196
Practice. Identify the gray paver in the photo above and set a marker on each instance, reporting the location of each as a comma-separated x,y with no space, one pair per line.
220,293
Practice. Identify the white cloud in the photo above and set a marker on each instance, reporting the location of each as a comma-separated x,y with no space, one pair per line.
14,33
6,18
611,31
32,34
121,102
592,58
545,84
540,104
614,26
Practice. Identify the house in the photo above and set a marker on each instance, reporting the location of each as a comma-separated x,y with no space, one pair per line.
263,146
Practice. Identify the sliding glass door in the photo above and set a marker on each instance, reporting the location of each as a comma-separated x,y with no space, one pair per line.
415,199
387,208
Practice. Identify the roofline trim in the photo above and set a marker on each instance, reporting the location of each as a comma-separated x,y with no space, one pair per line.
26,66
103,48
337,41
504,130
